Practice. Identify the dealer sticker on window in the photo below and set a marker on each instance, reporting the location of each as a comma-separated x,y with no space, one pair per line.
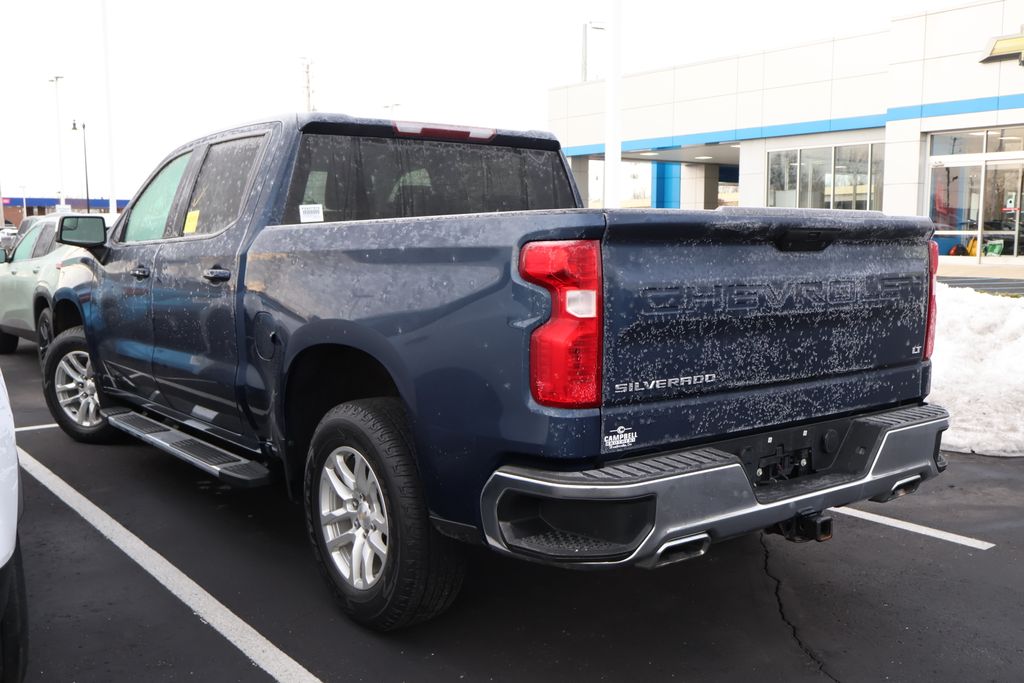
311,213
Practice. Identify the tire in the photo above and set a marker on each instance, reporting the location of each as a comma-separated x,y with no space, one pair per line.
8,343
14,626
421,571
92,427
44,334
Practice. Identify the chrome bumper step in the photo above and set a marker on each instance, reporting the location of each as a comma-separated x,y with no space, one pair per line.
671,506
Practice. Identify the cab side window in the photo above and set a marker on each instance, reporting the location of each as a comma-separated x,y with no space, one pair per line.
27,245
217,197
149,214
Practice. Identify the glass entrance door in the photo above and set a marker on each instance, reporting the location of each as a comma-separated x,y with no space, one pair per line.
1001,224
976,186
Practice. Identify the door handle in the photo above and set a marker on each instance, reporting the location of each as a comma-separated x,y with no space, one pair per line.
217,274
35,270
139,272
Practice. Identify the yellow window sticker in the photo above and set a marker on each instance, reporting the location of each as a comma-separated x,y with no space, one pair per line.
191,222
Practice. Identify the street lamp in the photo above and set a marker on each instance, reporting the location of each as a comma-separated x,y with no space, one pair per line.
60,153
85,156
587,27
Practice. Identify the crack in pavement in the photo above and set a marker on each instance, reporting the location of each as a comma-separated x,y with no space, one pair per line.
782,613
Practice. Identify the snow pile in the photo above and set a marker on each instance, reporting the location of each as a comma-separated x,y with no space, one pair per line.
979,370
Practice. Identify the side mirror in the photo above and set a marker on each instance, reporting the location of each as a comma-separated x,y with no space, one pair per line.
82,231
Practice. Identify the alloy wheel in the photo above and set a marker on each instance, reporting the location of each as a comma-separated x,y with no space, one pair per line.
76,389
353,517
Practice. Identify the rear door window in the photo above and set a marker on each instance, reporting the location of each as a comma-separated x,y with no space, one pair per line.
149,214
45,243
344,178
220,188
27,245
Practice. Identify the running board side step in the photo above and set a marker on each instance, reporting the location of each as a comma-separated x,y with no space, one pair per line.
222,464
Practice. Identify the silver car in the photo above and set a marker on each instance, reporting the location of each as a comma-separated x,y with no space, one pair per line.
10,234
28,275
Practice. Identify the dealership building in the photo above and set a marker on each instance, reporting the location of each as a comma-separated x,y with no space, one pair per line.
925,117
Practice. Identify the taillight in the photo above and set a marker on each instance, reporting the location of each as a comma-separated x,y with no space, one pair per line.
565,352
933,268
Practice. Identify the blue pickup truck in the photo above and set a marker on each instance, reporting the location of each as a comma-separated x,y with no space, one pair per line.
421,333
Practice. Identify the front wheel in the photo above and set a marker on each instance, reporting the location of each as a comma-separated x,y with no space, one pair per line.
71,391
368,520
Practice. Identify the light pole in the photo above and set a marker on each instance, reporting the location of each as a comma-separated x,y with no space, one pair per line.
85,156
307,63
597,26
60,152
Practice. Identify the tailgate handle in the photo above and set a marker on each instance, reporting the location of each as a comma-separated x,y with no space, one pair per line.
806,239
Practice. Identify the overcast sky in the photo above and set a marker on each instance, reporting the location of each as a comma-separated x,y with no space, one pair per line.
192,67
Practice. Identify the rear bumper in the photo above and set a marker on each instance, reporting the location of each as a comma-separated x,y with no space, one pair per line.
672,506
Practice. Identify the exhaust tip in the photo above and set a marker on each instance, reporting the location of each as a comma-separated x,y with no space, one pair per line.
905,486
681,549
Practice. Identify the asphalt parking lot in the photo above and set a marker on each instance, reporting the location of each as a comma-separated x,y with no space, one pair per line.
876,603
991,285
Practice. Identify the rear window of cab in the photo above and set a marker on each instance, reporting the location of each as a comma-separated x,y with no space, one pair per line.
347,178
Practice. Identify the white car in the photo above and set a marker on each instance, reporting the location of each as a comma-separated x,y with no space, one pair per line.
8,236
13,612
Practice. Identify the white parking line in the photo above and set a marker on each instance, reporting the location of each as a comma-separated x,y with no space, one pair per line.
916,528
36,427
261,651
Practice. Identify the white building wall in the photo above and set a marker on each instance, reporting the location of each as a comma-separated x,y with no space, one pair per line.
698,186
923,60
830,79
753,172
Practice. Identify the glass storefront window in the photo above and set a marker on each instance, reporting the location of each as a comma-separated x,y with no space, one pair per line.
816,178
1005,140
960,142
851,173
782,168
846,177
877,175
956,197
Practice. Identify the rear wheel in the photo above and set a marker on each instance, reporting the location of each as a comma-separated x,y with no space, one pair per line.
368,520
71,391
44,334
8,343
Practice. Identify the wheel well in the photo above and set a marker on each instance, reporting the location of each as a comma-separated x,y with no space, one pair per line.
320,378
40,304
65,316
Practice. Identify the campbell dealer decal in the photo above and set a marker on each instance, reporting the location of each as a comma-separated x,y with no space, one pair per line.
620,437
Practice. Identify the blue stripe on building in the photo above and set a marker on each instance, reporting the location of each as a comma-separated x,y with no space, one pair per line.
54,201
971,106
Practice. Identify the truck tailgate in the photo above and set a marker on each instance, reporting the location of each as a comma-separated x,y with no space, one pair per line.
727,321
